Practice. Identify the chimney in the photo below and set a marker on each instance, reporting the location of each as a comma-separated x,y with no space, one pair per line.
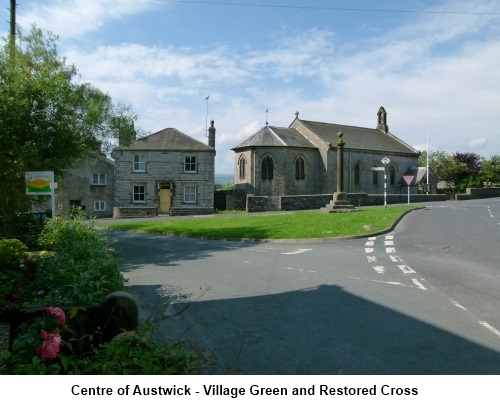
211,135
126,133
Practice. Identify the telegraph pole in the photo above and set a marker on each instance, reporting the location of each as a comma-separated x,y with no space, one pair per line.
13,19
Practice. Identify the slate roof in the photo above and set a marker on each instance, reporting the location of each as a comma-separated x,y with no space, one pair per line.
359,138
276,137
169,139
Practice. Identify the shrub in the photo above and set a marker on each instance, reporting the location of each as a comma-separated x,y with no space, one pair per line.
82,268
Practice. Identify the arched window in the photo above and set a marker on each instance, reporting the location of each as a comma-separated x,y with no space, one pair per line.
267,168
242,162
393,175
300,168
357,174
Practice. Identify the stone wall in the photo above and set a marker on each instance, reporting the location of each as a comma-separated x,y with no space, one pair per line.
134,212
477,193
311,202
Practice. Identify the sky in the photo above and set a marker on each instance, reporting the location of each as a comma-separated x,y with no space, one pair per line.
432,64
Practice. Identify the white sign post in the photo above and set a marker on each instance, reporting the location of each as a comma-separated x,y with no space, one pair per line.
385,161
408,178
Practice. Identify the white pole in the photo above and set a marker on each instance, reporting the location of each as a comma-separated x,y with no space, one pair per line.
427,163
385,186
408,195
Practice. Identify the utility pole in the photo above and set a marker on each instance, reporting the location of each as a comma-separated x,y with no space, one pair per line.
13,18
12,24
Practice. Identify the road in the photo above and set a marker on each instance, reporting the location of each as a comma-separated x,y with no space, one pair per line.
419,300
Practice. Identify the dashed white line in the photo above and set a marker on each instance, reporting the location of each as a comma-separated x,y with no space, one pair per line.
458,305
369,250
296,252
406,269
395,259
379,269
390,250
370,243
371,258
389,237
490,328
389,243
418,284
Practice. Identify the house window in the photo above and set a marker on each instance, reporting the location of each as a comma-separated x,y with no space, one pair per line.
241,164
300,168
99,179
139,194
139,163
190,164
375,176
393,175
267,168
99,205
357,174
190,194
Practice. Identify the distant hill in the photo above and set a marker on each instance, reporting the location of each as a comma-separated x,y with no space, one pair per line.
221,179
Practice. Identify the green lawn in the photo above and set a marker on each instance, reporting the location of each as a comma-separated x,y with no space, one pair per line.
281,225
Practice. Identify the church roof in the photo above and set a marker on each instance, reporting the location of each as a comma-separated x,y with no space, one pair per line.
358,137
276,137
169,139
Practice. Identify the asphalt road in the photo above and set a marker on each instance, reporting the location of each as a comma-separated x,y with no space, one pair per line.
423,299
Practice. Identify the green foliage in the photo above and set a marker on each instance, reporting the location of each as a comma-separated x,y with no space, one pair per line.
82,268
133,352
47,119
11,251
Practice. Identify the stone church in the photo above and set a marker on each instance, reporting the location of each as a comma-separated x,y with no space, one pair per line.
302,159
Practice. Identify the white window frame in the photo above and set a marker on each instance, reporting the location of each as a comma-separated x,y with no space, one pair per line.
139,163
190,195
138,193
99,205
190,164
99,179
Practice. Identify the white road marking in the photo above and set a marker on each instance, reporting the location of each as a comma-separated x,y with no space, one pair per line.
371,258
390,250
406,269
296,252
490,328
370,243
379,269
369,250
389,237
418,284
372,238
395,259
389,243
458,305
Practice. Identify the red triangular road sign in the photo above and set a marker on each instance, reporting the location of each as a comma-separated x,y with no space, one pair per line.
408,178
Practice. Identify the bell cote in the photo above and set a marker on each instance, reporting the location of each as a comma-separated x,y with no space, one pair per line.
382,120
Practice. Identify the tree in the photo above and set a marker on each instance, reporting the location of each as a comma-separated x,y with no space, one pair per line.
470,177
446,168
47,119
490,170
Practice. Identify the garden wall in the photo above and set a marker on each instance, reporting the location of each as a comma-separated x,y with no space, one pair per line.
311,202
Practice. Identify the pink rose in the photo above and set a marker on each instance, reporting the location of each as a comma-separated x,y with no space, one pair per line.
57,313
50,347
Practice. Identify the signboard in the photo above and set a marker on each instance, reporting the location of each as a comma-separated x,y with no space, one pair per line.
386,160
408,178
39,183
377,169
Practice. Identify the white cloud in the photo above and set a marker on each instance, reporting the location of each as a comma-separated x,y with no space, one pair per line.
74,18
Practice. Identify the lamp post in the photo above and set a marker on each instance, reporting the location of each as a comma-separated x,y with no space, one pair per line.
385,161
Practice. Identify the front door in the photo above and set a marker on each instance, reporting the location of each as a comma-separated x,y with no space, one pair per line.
164,198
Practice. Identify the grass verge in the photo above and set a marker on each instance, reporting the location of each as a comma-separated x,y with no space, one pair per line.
282,225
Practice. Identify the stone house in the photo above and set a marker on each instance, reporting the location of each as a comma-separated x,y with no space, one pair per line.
302,159
89,184
167,172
